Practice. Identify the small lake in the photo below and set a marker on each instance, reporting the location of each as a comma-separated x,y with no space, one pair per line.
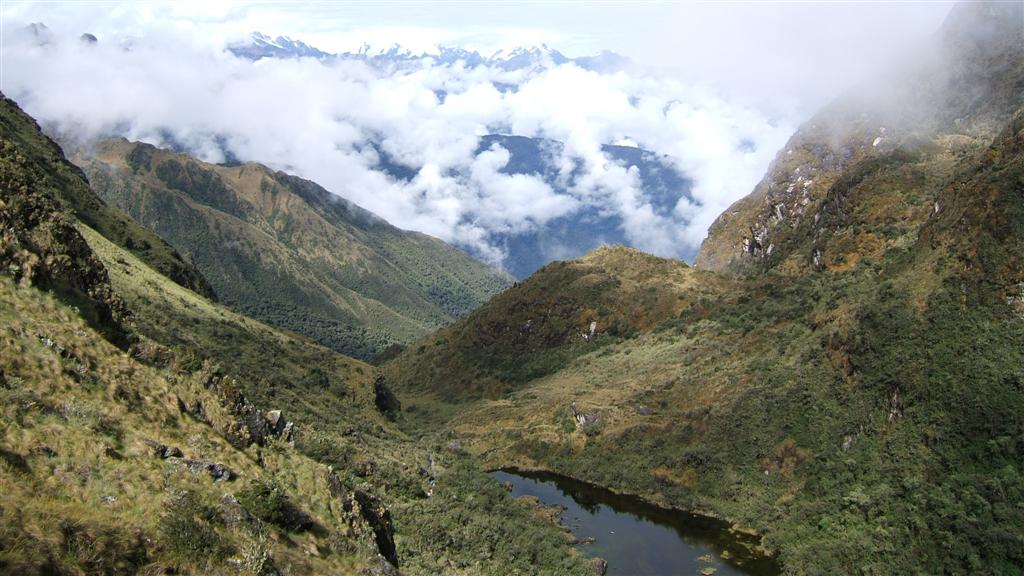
637,538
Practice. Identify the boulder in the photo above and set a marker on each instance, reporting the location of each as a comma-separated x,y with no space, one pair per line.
599,566
233,513
381,567
279,426
275,420
245,424
219,472
162,450
385,400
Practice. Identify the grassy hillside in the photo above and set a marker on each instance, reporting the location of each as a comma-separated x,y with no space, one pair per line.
62,182
870,420
855,393
287,252
541,324
102,471
141,432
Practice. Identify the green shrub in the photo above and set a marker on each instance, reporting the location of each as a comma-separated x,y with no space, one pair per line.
187,527
268,501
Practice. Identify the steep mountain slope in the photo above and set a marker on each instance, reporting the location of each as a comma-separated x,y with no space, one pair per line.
152,447
287,252
869,420
855,394
819,205
63,183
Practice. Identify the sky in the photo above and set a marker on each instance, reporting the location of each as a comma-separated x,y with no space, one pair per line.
718,87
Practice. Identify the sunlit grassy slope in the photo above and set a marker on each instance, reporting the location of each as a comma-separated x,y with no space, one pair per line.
287,252
138,431
65,184
866,420
850,383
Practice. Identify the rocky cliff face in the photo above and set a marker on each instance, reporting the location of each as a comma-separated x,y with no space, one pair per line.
39,244
851,183
64,184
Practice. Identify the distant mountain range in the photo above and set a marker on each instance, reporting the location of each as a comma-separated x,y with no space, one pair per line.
260,46
564,237
263,46
569,236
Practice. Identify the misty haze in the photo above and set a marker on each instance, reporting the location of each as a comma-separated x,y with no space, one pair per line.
512,288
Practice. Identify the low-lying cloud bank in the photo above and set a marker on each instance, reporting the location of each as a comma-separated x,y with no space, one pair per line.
335,121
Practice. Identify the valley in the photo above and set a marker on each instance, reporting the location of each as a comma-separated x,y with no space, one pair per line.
228,369
285,251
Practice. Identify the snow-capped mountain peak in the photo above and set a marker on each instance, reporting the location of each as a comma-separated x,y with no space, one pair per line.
522,57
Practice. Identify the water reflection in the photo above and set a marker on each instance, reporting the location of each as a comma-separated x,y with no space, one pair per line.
637,538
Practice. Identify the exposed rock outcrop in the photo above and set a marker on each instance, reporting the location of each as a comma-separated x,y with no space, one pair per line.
234,416
385,399
219,472
378,517
367,517
233,513
839,184
162,450
40,246
584,418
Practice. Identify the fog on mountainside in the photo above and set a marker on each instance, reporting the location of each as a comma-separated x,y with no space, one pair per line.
836,386
344,118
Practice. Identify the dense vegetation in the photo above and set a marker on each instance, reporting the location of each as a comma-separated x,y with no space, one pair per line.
852,388
139,434
538,326
285,251
868,421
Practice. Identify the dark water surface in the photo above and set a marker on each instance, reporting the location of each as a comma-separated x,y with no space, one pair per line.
640,539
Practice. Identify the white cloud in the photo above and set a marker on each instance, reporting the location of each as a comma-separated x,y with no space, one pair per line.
513,203
315,120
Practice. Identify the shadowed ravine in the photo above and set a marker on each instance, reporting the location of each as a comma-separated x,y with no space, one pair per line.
639,538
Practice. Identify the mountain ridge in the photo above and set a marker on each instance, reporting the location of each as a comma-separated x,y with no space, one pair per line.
148,428
847,384
945,102
287,251
260,46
